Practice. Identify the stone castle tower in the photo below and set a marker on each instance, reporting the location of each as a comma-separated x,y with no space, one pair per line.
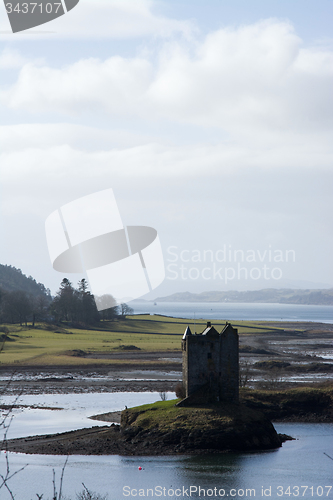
211,364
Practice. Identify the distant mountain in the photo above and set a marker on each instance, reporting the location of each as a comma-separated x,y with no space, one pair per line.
267,295
12,279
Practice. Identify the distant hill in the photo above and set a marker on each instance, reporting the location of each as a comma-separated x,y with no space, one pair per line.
12,279
267,295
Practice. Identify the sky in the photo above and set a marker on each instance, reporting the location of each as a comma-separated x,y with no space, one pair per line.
210,120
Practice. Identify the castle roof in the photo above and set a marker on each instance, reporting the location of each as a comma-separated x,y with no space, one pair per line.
228,328
187,332
210,331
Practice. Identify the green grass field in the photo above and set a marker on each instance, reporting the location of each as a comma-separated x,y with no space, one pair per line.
301,403
165,416
47,345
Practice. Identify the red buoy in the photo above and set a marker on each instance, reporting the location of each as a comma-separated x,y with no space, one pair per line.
140,468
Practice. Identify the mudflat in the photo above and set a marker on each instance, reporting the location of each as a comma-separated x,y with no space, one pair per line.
277,353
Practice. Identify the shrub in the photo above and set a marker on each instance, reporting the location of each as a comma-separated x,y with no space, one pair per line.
89,495
180,391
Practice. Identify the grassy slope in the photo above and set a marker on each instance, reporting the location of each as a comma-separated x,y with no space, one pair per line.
301,404
165,416
41,346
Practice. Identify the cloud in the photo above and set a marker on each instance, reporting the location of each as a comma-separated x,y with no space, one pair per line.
250,79
265,177
118,19
11,59
196,196
286,183
53,163
118,82
23,136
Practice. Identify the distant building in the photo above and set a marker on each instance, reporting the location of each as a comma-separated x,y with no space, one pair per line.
211,364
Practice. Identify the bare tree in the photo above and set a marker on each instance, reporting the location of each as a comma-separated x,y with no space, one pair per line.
163,396
245,374
89,495
125,310
58,496
272,379
6,475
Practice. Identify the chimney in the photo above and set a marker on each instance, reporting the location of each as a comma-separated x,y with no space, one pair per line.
209,324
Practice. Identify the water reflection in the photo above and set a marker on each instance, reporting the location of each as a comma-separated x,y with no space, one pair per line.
74,412
300,462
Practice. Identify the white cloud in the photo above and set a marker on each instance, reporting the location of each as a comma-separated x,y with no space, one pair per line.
53,162
20,137
246,80
104,19
11,59
116,84
194,195
45,165
264,178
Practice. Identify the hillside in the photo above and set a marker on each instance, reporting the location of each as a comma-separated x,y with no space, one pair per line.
12,279
267,295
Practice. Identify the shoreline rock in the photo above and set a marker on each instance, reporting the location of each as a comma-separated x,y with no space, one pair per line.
229,428
244,427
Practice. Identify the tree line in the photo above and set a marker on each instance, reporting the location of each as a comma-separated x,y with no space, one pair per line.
70,304
12,279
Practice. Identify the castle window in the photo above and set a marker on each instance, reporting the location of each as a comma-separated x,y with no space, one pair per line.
209,355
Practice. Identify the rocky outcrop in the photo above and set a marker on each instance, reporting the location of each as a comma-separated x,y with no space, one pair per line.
158,430
302,404
233,428
199,442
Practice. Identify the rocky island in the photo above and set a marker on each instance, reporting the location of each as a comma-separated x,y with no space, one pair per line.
163,428
207,418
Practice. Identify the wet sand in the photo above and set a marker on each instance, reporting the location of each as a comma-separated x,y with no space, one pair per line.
138,372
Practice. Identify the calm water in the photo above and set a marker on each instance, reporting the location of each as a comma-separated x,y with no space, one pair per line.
297,463
234,311
76,408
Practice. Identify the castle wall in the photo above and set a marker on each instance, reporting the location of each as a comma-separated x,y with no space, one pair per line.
202,360
212,360
229,366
